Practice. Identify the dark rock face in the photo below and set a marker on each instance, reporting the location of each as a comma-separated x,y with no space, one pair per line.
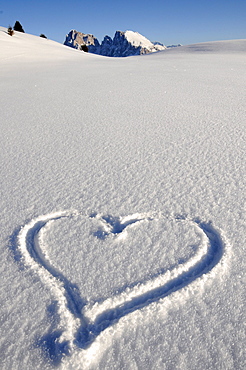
106,46
122,45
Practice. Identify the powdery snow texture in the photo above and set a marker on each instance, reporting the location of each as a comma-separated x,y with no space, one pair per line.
123,207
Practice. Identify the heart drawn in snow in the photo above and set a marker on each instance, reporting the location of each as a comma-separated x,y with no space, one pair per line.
101,268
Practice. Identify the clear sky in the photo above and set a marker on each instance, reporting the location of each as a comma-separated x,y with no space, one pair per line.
166,21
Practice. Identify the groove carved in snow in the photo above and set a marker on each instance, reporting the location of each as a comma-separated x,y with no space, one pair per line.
79,326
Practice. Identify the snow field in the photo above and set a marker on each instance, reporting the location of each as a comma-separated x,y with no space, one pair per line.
124,282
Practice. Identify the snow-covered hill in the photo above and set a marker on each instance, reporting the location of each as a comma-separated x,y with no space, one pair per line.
122,45
123,201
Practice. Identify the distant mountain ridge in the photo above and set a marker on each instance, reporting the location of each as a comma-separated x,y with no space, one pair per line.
123,44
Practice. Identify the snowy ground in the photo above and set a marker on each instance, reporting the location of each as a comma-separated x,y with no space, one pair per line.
122,207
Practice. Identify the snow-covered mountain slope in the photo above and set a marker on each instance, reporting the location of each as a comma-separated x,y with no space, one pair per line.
18,48
123,44
137,40
122,207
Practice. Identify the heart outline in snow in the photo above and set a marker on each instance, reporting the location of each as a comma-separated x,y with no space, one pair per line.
80,325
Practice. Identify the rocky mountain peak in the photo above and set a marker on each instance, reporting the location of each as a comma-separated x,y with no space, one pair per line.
122,45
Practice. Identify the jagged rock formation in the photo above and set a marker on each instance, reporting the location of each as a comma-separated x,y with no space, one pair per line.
76,39
122,45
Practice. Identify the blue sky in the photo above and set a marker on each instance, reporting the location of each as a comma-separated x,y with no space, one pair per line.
169,22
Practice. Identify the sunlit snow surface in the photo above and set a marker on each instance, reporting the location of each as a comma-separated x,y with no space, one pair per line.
122,207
